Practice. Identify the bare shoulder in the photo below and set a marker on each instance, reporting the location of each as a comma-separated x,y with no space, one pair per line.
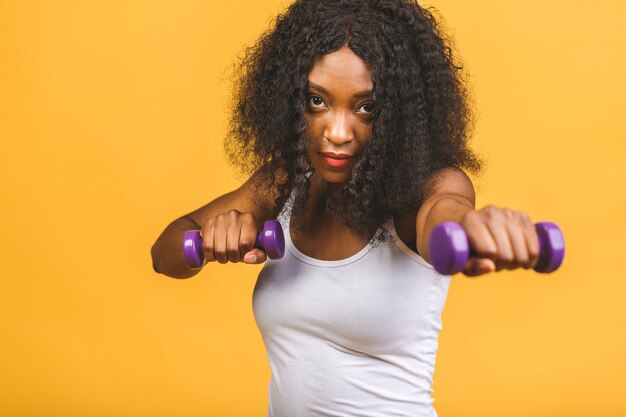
449,182
253,196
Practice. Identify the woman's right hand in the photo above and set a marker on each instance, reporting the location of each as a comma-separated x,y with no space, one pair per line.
230,237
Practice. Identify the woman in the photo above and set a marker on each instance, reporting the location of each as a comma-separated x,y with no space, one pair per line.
351,119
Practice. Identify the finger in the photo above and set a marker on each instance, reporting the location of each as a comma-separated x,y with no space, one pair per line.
518,244
255,256
248,234
504,256
208,235
478,266
232,242
219,246
532,243
480,239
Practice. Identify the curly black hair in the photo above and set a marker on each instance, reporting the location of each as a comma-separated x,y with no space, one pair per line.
421,120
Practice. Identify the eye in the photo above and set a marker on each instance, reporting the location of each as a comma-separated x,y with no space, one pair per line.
368,107
315,101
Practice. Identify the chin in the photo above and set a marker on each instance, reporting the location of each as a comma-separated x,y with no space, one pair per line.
335,179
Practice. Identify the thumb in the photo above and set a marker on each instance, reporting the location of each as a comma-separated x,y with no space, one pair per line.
478,266
255,256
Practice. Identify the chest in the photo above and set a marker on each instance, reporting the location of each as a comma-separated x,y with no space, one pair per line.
381,301
334,241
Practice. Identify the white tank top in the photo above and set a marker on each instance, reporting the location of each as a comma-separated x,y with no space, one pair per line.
351,337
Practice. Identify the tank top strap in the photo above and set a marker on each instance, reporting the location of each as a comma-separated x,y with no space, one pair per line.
284,217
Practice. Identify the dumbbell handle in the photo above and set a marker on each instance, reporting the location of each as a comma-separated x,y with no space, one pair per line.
271,239
449,247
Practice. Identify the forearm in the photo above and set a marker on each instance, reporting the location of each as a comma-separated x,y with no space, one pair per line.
445,209
167,251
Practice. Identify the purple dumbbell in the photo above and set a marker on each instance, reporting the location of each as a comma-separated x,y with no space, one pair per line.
271,239
449,247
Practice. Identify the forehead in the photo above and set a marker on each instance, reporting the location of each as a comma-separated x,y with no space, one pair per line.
341,69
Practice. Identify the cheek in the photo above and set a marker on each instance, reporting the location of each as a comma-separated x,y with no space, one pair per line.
311,139
363,136
313,130
366,135
313,125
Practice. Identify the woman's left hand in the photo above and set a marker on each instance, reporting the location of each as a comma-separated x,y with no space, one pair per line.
499,238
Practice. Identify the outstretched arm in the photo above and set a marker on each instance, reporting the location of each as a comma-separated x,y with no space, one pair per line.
232,221
502,238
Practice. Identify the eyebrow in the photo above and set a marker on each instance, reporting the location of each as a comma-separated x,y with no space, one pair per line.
359,94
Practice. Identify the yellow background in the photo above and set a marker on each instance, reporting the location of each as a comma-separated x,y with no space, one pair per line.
112,115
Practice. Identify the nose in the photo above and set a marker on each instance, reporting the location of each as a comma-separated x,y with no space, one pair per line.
339,129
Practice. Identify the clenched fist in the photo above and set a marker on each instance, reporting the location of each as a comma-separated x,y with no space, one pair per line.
230,237
500,238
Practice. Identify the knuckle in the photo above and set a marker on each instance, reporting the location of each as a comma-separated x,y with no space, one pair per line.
504,263
233,254
494,222
533,263
208,251
533,254
522,220
506,259
489,210
493,213
505,256
512,266
219,251
488,252
208,226
533,247
221,257
209,223
470,217
208,243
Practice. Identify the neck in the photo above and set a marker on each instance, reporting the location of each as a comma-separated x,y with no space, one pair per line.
319,193
322,189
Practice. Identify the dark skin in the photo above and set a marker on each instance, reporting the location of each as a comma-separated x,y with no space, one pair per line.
338,121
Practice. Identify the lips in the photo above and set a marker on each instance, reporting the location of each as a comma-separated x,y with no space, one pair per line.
336,160
337,155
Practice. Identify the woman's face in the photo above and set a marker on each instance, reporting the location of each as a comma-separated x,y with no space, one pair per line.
338,114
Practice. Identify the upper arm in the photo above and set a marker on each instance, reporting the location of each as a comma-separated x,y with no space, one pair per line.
450,183
250,197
